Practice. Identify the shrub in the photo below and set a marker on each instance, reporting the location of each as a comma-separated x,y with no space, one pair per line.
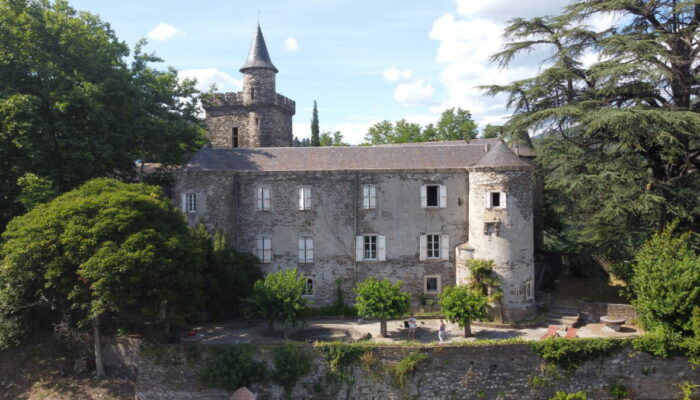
568,354
291,363
407,366
232,367
569,396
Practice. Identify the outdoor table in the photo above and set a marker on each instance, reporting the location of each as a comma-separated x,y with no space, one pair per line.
612,323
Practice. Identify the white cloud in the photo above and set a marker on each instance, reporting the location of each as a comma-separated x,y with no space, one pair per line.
394,74
208,76
354,132
163,32
291,45
414,93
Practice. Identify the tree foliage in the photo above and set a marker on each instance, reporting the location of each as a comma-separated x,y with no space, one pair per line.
666,282
291,363
461,304
454,124
278,298
71,108
102,248
315,139
225,269
332,139
381,299
621,144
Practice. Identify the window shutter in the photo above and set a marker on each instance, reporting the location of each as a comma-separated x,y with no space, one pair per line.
423,196
184,203
488,199
301,198
365,197
302,250
259,249
444,247
373,196
443,196
309,249
381,248
307,198
359,248
503,200
423,247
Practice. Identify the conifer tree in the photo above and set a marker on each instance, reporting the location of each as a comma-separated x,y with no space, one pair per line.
315,138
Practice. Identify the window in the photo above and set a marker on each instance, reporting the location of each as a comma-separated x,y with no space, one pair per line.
263,248
434,246
528,290
433,196
496,200
306,249
309,287
234,138
492,228
433,192
191,203
369,196
252,93
262,198
257,121
432,284
304,198
370,248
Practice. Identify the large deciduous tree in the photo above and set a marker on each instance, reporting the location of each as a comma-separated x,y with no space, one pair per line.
454,124
279,297
622,135
72,108
462,304
103,248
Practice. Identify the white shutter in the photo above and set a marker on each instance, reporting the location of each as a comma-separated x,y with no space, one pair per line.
503,199
365,197
381,248
424,196
359,248
302,250
443,196
301,198
423,248
488,199
309,249
184,203
444,247
373,196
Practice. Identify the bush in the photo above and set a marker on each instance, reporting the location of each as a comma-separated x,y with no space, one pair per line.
569,354
569,396
291,363
407,366
232,367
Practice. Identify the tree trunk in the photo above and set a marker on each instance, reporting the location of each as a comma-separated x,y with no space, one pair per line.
467,329
99,366
270,327
164,320
382,328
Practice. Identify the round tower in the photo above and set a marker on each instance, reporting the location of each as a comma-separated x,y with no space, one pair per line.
501,227
258,73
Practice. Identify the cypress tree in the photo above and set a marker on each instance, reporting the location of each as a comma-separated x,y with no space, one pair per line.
315,138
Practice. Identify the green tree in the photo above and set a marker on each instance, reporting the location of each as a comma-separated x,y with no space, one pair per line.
224,269
315,139
338,139
71,108
462,304
381,299
34,190
484,280
621,141
380,133
456,124
103,248
491,131
278,298
666,282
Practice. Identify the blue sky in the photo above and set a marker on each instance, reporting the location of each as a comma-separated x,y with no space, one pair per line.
362,60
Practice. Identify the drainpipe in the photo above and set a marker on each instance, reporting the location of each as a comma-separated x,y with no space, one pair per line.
354,236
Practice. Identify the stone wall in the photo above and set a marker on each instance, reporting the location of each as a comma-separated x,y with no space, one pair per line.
450,372
592,311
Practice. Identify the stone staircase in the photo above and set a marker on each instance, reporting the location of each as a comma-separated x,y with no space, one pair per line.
561,316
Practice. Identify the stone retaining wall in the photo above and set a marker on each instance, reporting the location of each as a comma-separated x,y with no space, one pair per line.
594,310
505,371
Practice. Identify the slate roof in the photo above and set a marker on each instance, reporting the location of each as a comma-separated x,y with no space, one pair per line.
258,57
500,156
419,156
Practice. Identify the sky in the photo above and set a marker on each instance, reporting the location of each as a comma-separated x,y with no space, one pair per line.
363,61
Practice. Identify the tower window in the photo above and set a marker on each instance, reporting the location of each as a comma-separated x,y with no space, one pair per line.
496,200
252,93
234,138
257,121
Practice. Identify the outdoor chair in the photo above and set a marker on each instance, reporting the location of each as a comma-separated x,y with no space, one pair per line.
571,333
551,332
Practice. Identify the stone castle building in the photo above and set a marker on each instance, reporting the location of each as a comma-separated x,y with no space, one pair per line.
409,212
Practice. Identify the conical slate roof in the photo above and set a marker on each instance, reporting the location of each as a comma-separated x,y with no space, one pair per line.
258,57
499,156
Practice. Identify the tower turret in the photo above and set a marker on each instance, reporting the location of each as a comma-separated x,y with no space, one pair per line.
257,116
501,227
